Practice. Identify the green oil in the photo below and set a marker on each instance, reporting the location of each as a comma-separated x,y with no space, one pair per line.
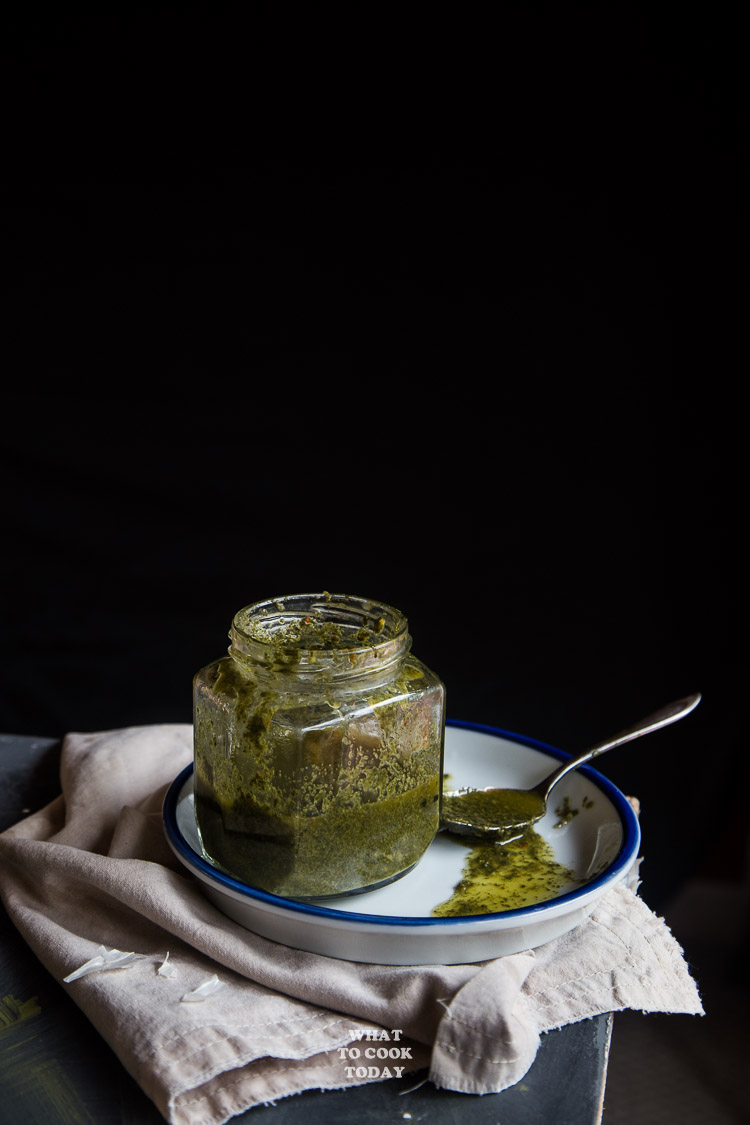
493,808
499,877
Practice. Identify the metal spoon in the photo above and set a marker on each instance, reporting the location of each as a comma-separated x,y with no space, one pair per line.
503,815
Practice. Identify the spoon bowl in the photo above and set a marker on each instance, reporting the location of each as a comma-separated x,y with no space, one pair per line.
503,815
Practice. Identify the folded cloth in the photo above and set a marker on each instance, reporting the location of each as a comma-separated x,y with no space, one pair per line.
212,1019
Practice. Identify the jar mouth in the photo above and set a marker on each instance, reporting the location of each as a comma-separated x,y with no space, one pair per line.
320,632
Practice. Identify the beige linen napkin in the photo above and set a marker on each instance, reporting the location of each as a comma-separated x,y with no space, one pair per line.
211,1019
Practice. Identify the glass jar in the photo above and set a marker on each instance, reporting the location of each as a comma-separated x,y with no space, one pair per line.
318,748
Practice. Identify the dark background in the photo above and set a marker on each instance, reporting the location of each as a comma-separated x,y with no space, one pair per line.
446,324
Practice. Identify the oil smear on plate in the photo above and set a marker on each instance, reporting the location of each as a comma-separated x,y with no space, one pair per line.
523,872
498,877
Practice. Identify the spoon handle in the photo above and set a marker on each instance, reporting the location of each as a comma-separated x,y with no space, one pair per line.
661,718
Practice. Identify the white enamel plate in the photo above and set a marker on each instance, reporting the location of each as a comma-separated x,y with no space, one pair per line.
393,925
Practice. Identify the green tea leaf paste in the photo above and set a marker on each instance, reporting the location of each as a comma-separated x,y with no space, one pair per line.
318,773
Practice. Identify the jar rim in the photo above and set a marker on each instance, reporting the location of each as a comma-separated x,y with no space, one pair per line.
317,632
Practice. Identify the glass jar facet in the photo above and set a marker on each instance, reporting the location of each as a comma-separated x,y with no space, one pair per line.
318,747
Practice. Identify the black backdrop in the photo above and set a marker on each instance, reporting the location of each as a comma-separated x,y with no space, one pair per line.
465,353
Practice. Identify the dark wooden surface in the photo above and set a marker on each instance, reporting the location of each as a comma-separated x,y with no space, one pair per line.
55,1069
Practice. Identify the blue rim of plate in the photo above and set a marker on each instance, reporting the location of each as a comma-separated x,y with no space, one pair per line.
626,855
